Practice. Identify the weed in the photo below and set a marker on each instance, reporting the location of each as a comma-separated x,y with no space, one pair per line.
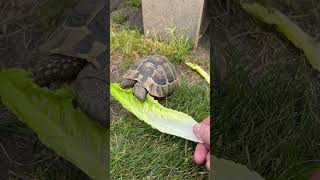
119,17
131,3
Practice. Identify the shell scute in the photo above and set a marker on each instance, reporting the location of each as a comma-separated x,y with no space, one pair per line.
156,74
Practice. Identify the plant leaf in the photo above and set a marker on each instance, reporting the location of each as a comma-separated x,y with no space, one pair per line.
58,125
199,70
284,25
151,112
226,169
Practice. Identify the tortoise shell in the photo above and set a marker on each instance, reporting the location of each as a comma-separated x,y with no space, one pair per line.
156,74
83,34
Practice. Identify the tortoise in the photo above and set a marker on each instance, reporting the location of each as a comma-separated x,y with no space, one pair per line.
77,51
153,74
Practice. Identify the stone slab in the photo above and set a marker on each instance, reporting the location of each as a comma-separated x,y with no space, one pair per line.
186,16
114,4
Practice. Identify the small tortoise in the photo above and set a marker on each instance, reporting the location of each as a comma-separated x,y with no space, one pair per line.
153,74
77,50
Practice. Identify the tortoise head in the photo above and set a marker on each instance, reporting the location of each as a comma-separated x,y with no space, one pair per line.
127,83
140,91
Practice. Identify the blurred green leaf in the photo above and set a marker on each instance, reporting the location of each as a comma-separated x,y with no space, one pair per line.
58,125
229,170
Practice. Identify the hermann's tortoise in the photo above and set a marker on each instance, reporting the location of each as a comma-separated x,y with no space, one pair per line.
77,50
153,74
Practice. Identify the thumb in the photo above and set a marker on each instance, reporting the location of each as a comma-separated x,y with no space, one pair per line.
202,131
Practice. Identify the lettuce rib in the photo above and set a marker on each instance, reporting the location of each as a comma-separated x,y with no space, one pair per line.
288,28
199,70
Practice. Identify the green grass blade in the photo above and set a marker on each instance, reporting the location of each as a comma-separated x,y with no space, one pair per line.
58,125
151,112
199,70
284,25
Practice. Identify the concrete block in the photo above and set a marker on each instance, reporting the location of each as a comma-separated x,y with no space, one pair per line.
187,16
114,4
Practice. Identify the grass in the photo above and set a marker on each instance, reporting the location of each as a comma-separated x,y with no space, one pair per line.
119,17
53,13
270,126
131,3
141,152
137,150
52,171
35,159
270,121
193,100
128,43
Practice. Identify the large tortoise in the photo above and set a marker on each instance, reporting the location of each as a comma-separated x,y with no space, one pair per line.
153,74
77,50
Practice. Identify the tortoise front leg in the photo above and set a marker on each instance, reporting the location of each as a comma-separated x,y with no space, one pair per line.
139,91
91,94
56,68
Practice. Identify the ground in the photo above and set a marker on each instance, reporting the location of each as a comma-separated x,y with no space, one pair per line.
137,150
266,110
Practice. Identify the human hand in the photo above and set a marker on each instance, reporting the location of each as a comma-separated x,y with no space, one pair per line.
202,151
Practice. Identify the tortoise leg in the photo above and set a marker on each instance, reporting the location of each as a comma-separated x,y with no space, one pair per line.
91,93
58,69
139,91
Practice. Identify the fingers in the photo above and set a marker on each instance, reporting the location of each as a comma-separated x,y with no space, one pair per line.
200,153
202,131
208,161
315,176
206,121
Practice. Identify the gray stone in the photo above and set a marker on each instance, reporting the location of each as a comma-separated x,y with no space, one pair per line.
114,4
134,16
186,16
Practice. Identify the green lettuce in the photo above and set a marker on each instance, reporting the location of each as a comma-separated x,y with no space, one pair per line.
287,27
50,114
157,116
226,169
199,70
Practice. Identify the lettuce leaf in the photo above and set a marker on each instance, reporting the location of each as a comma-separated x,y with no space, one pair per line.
199,70
288,28
226,169
151,112
58,125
